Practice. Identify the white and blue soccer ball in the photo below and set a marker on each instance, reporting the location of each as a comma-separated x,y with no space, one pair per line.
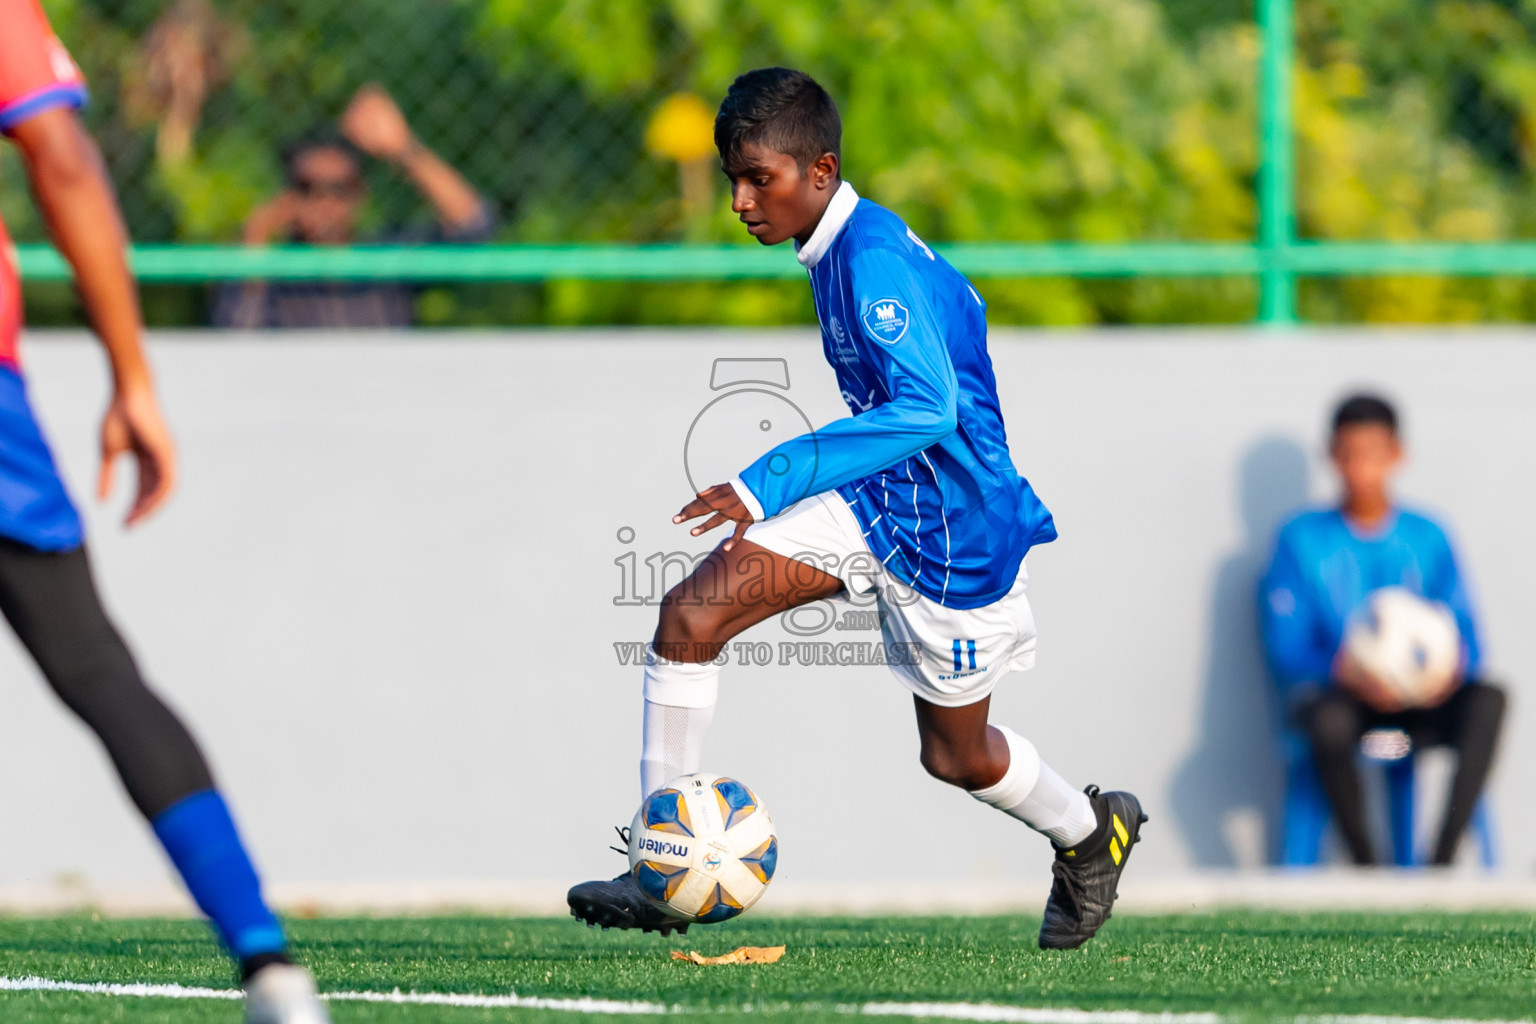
702,848
1411,644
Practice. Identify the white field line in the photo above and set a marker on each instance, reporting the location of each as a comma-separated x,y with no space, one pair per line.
582,1005
991,1012
1028,1015
35,984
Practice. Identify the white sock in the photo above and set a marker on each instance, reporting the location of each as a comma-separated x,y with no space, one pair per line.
679,705
1030,791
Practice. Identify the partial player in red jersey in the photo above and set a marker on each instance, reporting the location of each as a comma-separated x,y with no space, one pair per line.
46,590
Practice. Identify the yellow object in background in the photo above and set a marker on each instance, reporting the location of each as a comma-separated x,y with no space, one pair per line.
682,128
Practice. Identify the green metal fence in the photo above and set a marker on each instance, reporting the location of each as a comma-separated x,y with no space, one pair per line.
1276,257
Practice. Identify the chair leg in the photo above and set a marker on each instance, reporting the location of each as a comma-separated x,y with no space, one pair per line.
1400,810
1482,829
1306,815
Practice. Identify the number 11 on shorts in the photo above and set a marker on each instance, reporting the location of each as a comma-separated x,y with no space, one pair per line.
969,650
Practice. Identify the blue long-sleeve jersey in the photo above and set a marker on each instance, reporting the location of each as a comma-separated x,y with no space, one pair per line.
1323,570
923,461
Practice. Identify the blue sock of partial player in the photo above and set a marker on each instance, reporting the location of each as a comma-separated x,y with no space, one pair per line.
199,835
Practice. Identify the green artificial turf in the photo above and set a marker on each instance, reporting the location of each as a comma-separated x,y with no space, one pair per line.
1254,964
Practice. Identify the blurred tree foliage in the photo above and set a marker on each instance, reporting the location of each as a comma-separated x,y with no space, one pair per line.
1415,121
1061,120
1054,120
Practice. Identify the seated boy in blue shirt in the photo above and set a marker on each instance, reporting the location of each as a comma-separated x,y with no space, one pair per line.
1326,563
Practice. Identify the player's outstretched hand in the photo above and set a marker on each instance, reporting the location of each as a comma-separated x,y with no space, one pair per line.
133,425
727,507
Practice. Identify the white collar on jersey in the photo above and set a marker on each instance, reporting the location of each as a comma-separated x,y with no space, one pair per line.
838,210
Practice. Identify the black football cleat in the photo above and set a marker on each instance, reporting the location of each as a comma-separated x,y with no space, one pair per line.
620,904
1085,876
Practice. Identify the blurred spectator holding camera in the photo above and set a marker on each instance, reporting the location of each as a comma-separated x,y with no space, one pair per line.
321,205
1328,567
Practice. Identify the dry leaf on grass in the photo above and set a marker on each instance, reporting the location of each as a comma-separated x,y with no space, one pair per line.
739,955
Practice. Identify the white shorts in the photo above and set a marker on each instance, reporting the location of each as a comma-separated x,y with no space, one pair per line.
947,656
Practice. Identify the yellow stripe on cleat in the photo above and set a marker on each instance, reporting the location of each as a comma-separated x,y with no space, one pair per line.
1114,850
1125,837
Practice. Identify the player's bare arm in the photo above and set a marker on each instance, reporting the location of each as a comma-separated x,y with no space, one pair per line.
76,199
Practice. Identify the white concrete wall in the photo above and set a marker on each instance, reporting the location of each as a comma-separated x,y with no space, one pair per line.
384,597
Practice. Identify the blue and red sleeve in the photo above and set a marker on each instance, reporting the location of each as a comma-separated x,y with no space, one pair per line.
36,72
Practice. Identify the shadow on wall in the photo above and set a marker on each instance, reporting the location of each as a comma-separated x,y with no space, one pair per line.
1227,793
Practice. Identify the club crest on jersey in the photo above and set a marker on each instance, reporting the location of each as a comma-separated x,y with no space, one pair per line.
886,319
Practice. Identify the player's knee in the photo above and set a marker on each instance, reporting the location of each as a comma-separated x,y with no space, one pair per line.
953,766
690,624
91,673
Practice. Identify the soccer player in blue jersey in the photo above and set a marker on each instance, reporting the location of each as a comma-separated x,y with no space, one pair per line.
913,497
1326,564
46,590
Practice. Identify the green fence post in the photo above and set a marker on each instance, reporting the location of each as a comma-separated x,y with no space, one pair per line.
1277,163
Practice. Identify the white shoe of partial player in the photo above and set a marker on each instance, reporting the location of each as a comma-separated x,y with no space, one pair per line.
283,994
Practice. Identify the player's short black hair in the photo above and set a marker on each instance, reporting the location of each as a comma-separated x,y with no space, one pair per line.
782,109
317,138
1365,408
